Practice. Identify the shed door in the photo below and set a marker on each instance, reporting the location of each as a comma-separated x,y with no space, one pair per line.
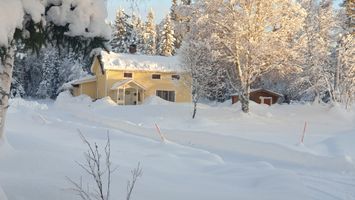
266,100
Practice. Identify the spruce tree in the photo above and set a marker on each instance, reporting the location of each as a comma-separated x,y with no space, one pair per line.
167,40
121,32
150,35
137,33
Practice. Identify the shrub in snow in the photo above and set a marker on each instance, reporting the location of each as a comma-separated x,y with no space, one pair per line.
100,169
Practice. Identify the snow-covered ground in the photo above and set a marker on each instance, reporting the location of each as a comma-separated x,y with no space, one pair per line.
222,154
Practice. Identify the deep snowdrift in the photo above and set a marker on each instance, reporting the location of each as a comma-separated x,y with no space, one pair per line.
222,154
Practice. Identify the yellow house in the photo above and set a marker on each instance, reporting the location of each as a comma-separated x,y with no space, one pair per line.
128,79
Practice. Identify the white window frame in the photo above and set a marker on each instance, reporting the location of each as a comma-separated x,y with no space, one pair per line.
262,99
128,77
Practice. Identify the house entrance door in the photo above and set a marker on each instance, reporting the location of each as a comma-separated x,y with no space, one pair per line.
131,96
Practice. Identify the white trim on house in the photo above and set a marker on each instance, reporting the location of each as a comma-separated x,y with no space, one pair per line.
124,82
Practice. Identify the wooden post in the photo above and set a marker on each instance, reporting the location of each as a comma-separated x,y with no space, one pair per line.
304,132
136,95
117,92
124,95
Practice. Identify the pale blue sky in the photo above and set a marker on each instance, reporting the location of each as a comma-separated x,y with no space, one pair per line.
161,7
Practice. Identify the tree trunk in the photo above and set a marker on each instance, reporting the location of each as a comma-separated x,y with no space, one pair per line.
195,110
244,99
6,67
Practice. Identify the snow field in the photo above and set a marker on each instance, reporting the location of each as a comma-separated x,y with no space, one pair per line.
223,154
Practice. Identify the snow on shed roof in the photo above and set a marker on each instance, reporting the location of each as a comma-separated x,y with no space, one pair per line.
137,62
260,89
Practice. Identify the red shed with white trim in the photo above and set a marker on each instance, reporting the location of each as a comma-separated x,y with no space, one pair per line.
260,96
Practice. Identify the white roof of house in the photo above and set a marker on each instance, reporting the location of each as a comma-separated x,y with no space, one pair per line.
137,62
86,79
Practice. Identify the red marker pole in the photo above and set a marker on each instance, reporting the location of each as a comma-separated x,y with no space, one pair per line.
304,132
159,132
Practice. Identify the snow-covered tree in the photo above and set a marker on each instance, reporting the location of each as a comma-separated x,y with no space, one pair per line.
34,23
137,33
196,59
345,70
346,76
122,31
318,47
150,35
249,37
180,14
167,38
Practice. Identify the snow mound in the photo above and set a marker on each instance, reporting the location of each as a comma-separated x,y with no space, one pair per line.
154,100
104,102
136,62
30,105
340,145
65,99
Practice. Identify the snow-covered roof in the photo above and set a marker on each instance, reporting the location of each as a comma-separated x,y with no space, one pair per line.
260,89
86,79
137,62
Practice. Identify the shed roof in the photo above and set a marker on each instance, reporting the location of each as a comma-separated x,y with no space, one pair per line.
261,89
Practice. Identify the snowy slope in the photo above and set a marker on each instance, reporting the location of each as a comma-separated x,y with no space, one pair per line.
223,154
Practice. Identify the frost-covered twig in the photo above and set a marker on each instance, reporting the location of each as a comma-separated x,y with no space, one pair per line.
100,171
136,173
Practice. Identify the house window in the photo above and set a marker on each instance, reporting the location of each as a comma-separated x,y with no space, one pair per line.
127,75
175,77
155,76
166,95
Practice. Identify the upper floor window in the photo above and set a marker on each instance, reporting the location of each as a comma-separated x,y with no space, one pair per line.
175,77
128,75
156,76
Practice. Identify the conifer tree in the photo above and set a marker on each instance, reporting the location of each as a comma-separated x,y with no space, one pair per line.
122,31
167,40
137,33
150,35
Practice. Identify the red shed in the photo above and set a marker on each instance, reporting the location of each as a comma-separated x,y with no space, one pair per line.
260,96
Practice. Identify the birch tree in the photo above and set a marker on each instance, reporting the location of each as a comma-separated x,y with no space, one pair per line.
34,23
252,36
318,39
345,73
